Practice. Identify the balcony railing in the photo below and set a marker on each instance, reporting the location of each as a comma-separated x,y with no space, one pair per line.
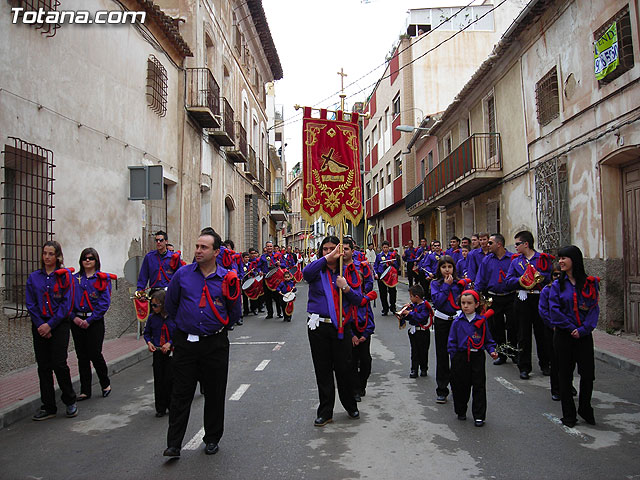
238,152
480,153
223,135
278,210
414,197
250,166
202,97
267,181
261,173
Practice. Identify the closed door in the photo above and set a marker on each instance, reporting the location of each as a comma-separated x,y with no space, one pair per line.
631,188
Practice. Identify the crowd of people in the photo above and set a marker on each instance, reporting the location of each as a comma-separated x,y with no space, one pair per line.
476,296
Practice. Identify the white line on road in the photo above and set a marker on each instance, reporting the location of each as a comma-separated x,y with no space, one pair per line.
195,441
237,395
508,385
256,343
571,431
262,366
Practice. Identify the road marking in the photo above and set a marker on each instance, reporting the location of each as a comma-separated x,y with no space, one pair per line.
571,431
262,366
237,395
195,442
508,385
276,348
256,343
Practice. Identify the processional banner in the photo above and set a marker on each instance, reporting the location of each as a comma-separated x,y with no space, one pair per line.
331,168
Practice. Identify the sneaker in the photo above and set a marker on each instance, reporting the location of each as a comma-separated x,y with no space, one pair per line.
441,399
479,422
42,414
72,410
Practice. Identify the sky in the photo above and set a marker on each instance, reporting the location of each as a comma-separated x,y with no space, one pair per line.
315,39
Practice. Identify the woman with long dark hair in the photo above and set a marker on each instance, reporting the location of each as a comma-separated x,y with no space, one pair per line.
331,343
92,300
574,310
49,298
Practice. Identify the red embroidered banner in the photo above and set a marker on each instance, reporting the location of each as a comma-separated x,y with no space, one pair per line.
331,168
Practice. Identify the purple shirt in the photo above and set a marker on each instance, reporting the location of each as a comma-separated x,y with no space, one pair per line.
492,273
440,298
464,335
430,262
320,291
94,298
420,315
380,267
153,329
156,270
286,286
455,254
267,262
45,303
519,265
474,259
409,255
185,294
563,314
462,267
543,306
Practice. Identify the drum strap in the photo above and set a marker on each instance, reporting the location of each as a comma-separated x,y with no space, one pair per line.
206,298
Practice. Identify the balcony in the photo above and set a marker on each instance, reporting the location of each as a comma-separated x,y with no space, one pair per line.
261,173
267,180
415,197
250,166
223,135
476,163
202,97
238,152
279,207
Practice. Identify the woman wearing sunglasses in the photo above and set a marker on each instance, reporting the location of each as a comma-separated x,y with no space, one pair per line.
92,300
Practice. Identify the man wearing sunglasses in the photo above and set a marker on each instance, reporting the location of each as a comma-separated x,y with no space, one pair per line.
158,265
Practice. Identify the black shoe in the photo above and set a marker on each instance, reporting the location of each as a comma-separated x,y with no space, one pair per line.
261,310
253,312
524,375
72,410
500,361
280,315
355,414
569,422
478,422
321,421
462,417
268,317
171,452
555,397
357,397
160,414
82,397
106,392
587,416
211,448
574,392
546,372
246,313
42,415
393,309
413,374
240,322
384,314
441,399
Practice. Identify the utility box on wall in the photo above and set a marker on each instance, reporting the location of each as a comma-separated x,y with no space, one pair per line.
146,182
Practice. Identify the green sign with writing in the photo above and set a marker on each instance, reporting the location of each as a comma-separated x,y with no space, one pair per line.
606,52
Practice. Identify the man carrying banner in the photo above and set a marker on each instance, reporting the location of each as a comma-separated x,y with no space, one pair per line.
386,272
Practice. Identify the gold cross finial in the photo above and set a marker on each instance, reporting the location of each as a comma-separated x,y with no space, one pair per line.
342,95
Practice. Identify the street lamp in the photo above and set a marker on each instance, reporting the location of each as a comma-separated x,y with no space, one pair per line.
411,128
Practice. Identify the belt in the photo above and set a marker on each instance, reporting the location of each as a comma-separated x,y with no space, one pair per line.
495,294
443,316
83,315
530,292
325,320
205,336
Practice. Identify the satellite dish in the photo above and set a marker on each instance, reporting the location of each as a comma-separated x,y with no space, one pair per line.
132,268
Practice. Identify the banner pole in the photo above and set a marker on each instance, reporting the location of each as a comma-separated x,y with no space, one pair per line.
340,319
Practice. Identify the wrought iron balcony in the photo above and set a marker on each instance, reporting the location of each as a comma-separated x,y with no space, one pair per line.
260,165
202,97
267,181
250,166
223,135
238,152
279,207
414,197
476,163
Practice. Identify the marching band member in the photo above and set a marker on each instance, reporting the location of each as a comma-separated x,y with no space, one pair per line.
256,306
491,281
269,260
429,265
419,315
475,257
159,265
467,340
574,310
243,271
287,285
92,300
421,254
49,298
528,273
330,348
409,257
454,249
465,242
545,315
461,265
445,289
383,260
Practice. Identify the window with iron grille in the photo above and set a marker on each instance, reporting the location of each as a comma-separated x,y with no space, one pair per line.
156,86
398,165
552,212
27,211
48,29
396,105
625,45
493,217
547,97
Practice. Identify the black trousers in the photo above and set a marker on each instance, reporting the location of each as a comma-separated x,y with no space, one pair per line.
501,325
424,283
442,328
466,374
256,304
269,297
331,355
527,316
411,275
88,342
361,365
162,380
391,292
554,379
283,306
51,355
419,342
572,351
245,304
206,361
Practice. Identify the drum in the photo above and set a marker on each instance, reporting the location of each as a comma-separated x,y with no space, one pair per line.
390,277
293,270
289,297
252,288
273,278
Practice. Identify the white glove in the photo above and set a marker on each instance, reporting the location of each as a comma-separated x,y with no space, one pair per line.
412,329
314,321
522,295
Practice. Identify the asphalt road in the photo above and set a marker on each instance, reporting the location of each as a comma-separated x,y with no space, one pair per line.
269,431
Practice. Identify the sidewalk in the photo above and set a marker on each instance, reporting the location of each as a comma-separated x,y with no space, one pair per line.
20,391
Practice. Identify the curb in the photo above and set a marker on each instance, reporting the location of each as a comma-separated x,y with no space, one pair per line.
617,361
27,406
